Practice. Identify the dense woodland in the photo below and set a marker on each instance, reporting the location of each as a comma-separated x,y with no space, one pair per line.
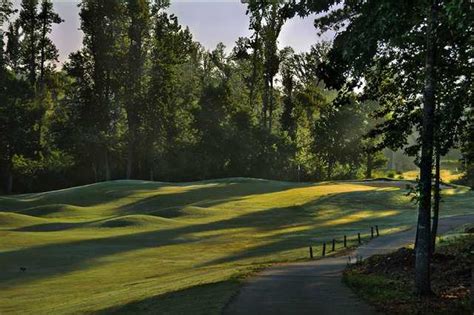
143,100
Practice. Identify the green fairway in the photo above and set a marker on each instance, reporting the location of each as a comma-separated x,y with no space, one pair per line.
181,248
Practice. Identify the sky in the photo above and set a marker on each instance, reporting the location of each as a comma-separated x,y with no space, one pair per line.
210,22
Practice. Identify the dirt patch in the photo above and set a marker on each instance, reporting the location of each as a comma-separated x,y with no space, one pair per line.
452,266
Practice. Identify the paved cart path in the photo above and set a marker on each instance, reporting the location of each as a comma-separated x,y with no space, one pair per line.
315,287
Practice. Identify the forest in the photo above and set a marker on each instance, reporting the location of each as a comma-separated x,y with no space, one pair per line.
143,100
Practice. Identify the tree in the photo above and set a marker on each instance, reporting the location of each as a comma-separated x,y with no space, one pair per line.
29,23
405,23
103,27
6,9
171,47
47,50
13,46
338,136
288,122
266,19
138,31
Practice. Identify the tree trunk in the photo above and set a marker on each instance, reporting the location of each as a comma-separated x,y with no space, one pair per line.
253,82
270,114
130,161
107,165
131,151
368,173
330,167
8,178
43,52
94,172
265,104
436,201
422,265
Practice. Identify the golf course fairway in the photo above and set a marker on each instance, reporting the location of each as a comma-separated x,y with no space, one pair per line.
137,246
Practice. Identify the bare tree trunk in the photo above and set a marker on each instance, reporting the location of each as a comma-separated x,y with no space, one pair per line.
330,168
8,178
368,173
253,83
265,104
423,257
270,114
436,201
129,161
94,172
107,165
131,151
43,53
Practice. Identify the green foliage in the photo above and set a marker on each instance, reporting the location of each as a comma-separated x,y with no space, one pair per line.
142,100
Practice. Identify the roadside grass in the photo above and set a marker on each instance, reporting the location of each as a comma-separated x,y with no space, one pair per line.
136,246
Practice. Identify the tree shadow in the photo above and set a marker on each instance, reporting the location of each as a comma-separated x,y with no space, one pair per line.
80,254
54,259
200,299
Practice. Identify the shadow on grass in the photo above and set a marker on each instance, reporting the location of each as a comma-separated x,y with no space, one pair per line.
202,299
55,259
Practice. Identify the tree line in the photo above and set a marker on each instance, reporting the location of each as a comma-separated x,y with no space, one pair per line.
143,100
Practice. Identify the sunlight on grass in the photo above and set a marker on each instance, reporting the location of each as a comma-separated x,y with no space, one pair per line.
361,215
447,176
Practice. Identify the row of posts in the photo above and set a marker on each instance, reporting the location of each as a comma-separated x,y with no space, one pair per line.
373,232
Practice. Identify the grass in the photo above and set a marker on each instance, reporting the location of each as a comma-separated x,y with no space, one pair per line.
447,176
138,247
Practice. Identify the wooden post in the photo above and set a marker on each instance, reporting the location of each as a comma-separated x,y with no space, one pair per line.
371,232
333,244
358,237
324,249
311,252
345,241
377,230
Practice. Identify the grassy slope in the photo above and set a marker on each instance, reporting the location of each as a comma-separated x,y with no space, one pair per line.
133,245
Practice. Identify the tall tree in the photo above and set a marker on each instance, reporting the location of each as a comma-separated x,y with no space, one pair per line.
47,50
12,53
266,20
170,47
29,23
395,38
423,248
103,27
138,30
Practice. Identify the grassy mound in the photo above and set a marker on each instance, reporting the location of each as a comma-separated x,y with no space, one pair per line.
15,220
54,211
136,221
130,244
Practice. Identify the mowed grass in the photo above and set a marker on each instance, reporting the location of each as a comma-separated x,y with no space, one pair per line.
147,247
